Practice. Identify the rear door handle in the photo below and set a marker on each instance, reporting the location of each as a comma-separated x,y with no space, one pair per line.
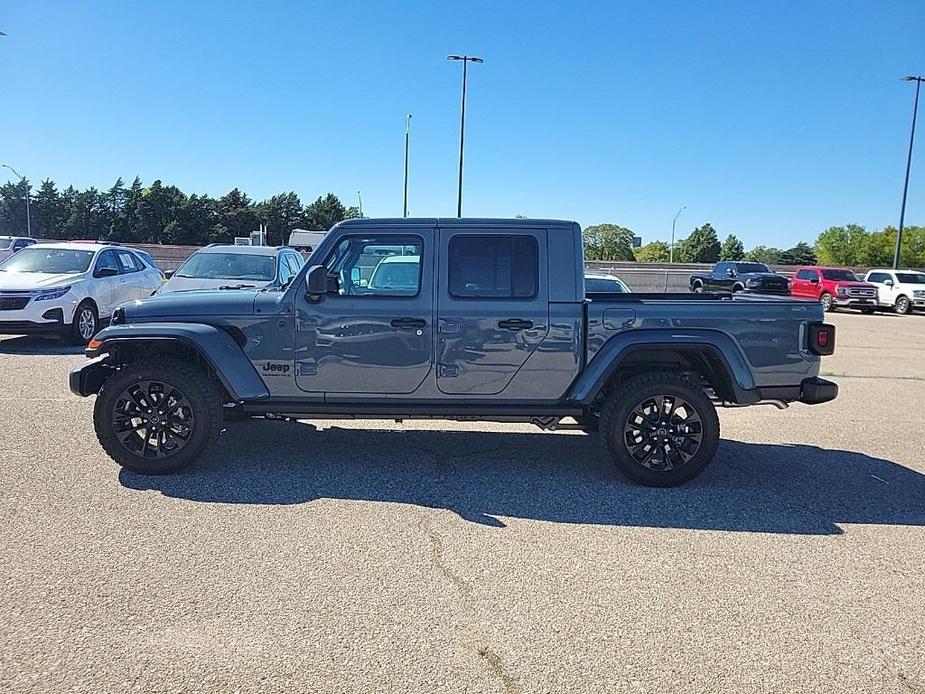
515,324
408,323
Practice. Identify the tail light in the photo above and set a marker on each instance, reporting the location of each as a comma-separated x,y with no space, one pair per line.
821,338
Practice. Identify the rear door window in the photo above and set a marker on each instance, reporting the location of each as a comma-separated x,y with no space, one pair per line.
496,267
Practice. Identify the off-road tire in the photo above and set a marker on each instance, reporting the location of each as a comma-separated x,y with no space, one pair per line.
73,333
619,406
193,383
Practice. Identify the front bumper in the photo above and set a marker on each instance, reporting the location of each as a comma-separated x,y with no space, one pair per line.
89,377
854,302
50,316
50,322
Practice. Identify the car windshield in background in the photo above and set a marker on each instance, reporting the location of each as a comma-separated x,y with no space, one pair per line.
53,261
398,276
752,267
603,285
229,266
911,277
836,275
5,242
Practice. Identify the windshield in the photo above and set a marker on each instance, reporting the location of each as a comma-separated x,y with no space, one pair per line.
395,276
53,261
751,267
602,285
840,275
911,277
229,266
5,242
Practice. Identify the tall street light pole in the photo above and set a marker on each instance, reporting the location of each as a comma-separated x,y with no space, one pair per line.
466,59
673,223
28,211
902,213
407,142
360,202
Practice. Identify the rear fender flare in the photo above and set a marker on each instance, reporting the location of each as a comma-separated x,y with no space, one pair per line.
714,343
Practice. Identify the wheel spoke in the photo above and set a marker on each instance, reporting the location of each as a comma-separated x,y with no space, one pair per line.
663,432
153,419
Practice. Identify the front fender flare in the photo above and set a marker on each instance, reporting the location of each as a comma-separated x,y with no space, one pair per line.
713,342
217,347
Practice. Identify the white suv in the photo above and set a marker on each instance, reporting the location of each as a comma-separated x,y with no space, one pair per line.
68,288
901,289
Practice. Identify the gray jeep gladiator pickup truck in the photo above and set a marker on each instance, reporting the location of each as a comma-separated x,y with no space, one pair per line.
465,319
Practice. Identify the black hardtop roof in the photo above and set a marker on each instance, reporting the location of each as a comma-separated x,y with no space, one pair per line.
456,222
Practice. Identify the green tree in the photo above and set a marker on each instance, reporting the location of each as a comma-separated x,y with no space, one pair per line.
608,242
801,254
841,245
48,212
653,252
732,249
765,254
13,208
702,246
237,214
325,212
282,213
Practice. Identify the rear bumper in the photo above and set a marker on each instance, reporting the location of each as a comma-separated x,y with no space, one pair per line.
811,391
817,390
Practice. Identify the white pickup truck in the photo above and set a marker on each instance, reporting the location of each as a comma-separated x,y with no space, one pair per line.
903,290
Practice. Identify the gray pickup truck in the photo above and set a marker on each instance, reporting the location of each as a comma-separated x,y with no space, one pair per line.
464,319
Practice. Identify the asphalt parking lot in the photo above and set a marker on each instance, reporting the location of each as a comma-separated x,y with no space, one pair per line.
339,556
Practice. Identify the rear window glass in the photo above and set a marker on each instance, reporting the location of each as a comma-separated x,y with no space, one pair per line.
497,267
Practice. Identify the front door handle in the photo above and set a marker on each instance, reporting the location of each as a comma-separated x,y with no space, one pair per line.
408,323
515,324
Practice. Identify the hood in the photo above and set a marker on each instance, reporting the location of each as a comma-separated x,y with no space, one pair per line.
859,284
762,275
176,305
186,284
24,281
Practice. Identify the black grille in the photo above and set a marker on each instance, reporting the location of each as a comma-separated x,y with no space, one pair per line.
13,303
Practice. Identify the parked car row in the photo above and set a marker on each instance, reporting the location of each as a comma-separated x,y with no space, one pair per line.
899,290
69,289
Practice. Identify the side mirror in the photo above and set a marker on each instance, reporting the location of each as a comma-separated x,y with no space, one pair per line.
814,280
106,272
888,282
316,282
355,275
168,274
731,272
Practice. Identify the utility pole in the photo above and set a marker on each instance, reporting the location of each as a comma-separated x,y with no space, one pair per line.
22,179
360,201
466,59
407,143
902,213
673,222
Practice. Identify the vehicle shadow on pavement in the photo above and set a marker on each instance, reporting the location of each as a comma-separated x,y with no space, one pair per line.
32,344
486,476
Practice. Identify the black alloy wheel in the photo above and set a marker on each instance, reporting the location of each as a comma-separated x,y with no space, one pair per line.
663,432
152,419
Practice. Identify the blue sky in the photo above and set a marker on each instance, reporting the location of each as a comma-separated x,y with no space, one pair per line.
771,120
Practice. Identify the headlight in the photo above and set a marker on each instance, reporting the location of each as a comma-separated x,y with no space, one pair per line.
56,293
919,293
752,282
841,291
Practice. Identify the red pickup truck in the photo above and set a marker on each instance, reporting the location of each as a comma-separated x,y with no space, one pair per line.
834,287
